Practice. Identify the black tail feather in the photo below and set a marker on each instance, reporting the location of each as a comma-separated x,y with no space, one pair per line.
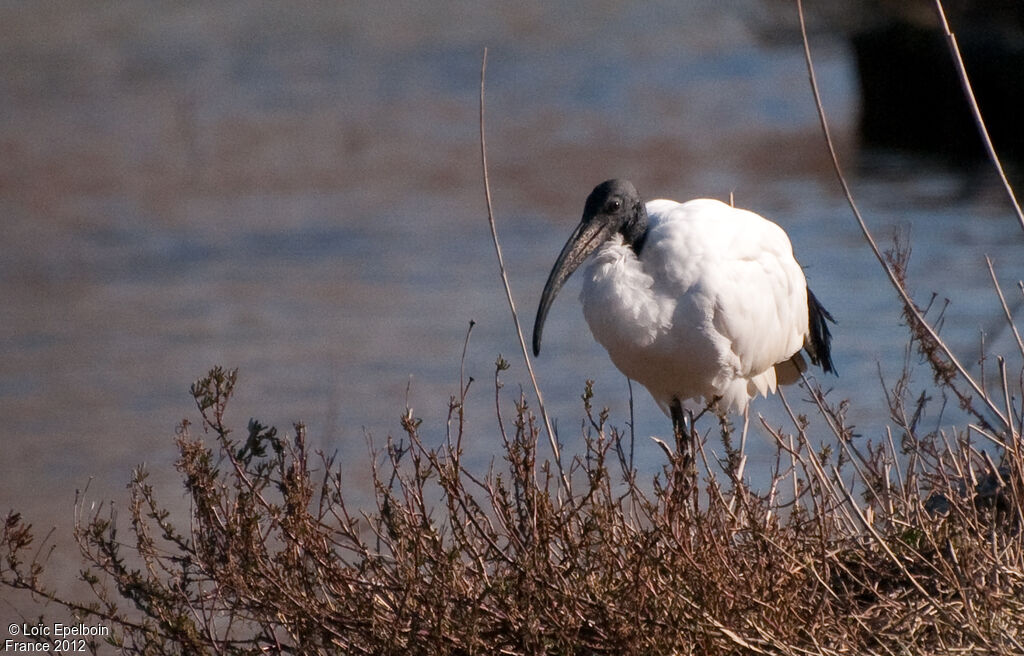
818,343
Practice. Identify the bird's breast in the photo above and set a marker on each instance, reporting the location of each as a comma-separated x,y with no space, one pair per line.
621,303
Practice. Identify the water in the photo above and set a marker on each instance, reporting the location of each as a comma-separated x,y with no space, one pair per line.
298,194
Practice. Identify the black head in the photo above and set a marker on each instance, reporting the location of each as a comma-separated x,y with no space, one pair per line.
613,207
616,205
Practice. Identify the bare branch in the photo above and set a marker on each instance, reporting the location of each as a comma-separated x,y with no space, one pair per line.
552,438
911,308
965,82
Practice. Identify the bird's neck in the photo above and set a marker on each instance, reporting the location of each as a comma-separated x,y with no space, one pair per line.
634,231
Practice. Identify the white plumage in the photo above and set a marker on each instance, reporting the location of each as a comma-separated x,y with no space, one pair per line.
696,301
714,303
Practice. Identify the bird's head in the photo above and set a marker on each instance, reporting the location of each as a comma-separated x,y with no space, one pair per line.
613,207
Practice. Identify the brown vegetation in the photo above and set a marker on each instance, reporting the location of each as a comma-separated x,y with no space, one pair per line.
910,545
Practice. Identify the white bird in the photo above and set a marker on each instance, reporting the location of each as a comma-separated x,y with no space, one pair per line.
696,301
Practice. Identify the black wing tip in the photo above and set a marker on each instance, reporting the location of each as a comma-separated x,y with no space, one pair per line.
819,337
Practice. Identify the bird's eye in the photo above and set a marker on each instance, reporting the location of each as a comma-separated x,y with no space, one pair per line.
614,205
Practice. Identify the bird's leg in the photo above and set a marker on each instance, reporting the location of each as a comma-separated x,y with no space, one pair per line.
682,428
684,469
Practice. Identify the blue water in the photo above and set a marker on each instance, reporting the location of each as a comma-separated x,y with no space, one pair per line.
297,193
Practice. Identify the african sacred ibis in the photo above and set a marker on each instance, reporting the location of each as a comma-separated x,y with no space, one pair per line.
696,301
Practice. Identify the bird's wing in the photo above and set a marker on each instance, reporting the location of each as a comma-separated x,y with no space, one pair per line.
738,271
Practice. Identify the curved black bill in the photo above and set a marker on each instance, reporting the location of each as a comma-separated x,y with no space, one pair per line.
584,240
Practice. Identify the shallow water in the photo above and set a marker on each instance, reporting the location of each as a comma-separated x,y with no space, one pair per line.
298,194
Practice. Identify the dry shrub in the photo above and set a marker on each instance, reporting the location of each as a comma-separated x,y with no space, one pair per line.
910,545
